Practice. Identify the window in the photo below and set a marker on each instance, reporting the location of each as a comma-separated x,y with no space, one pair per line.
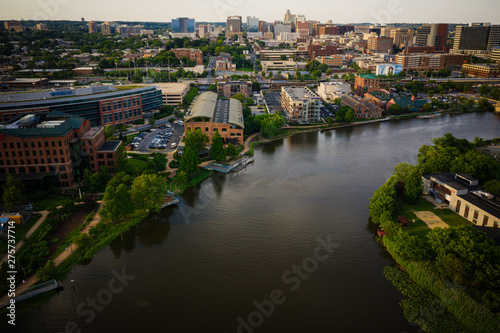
19,145
60,152
13,154
476,215
46,143
11,145
40,152
485,220
109,155
53,143
47,152
60,143
42,169
62,168
466,213
32,144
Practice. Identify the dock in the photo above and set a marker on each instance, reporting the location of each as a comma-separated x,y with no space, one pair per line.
169,200
36,290
237,165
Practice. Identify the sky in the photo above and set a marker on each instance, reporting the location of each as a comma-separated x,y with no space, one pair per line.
339,11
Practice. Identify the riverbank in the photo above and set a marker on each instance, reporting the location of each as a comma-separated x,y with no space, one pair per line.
450,268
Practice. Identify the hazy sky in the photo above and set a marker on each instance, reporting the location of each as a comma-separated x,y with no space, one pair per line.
339,11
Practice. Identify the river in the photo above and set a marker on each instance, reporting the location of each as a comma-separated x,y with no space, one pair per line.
283,246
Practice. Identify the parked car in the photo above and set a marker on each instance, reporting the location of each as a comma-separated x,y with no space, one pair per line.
173,145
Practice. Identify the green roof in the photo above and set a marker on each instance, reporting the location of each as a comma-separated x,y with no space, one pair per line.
61,130
368,76
383,96
407,102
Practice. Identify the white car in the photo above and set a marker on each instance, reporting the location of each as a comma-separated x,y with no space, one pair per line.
181,122
173,145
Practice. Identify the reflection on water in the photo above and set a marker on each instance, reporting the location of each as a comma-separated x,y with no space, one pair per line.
203,264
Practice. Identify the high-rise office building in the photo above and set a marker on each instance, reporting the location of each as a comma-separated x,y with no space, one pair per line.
92,27
233,26
402,36
263,26
183,25
432,35
252,24
106,28
494,37
289,17
17,26
472,37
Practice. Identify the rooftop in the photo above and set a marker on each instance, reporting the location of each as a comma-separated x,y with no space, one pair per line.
299,93
61,130
207,105
109,145
92,132
451,180
382,95
174,88
368,76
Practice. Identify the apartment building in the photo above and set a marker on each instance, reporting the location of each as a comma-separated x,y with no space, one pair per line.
233,26
402,36
430,61
301,104
230,88
482,70
380,44
329,91
194,55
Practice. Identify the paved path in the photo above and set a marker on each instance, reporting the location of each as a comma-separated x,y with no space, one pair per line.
246,146
30,281
30,232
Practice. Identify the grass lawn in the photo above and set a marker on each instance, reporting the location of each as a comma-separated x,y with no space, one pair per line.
420,228
51,201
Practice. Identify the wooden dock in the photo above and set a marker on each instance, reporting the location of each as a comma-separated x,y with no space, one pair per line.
35,290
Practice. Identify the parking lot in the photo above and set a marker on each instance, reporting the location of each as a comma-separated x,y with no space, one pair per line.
273,100
160,139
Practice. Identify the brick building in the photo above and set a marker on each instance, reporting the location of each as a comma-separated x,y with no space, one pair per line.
363,108
319,50
366,83
54,151
230,88
194,55
482,70
210,114
380,44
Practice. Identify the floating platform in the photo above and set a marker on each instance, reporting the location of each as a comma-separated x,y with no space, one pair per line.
169,200
36,290
235,166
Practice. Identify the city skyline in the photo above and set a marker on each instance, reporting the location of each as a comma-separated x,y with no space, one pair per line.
390,11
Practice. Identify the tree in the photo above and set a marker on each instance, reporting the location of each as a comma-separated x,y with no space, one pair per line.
121,158
395,109
196,140
239,96
47,272
117,202
427,107
337,101
232,151
160,162
189,162
493,187
151,121
217,151
121,178
12,194
349,116
471,102
381,204
413,187
109,131
329,120
96,182
148,191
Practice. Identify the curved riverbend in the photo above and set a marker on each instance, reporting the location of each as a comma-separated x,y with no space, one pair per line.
231,244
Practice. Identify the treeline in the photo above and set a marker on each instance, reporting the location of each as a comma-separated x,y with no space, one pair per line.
460,266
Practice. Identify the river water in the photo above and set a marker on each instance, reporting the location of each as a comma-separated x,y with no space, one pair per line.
283,246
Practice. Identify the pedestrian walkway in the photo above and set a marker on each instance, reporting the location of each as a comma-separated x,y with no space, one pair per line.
30,232
30,281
